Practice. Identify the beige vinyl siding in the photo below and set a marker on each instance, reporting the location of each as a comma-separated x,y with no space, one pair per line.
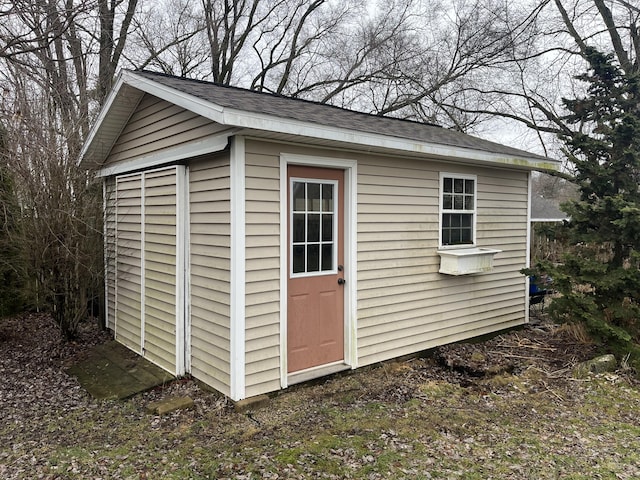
262,291
128,309
404,304
110,251
160,267
210,252
158,125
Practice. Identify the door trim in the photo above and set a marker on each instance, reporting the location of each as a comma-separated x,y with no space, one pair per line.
350,249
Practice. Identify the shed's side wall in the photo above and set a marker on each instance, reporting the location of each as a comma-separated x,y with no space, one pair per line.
210,252
157,126
404,304
110,250
128,311
160,267
262,292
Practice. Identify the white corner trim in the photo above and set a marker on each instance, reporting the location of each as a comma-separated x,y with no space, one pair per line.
527,260
187,272
238,266
351,259
105,240
284,273
143,274
155,159
181,262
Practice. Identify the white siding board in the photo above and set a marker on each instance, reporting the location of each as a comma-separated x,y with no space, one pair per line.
404,304
209,205
128,251
110,251
158,125
160,295
262,299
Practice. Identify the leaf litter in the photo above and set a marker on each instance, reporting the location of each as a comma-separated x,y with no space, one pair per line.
502,408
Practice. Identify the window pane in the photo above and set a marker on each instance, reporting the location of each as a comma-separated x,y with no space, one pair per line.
327,227
468,202
313,197
313,258
447,185
455,237
313,227
466,235
298,259
466,220
458,185
458,202
469,186
327,256
455,221
298,227
447,202
298,197
446,220
327,197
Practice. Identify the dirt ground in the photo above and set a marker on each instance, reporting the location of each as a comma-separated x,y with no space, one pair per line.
505,407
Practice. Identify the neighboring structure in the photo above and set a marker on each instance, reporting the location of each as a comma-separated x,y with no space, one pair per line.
546,210
255,241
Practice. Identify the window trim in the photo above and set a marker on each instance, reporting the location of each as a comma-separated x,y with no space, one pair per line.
441,210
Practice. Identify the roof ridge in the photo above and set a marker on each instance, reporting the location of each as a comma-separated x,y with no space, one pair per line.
294,99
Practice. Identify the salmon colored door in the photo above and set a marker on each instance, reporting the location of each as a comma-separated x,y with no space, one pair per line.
315,299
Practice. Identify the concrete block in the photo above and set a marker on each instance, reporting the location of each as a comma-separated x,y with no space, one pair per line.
251,403
169,405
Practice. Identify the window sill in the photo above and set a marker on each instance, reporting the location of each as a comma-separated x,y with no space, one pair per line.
466,261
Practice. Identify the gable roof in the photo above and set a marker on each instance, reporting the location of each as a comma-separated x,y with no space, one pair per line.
262,114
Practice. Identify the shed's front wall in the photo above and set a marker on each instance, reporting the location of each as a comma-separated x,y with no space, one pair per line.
210,270
404,305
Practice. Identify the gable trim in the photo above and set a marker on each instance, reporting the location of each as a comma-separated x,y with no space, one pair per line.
267,123
212,144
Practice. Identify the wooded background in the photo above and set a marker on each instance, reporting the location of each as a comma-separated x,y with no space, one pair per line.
494,68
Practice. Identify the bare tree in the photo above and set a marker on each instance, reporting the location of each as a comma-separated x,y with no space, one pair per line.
539,70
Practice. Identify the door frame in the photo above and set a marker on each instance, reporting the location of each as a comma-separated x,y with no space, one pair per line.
350,248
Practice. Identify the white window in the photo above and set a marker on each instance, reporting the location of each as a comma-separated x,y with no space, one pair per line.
313,230
457,209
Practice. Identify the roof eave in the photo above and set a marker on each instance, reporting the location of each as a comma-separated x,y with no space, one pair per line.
98,145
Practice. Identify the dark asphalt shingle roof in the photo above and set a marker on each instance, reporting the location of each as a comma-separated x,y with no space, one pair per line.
326,115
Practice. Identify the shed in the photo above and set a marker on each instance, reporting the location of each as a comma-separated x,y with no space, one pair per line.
255,241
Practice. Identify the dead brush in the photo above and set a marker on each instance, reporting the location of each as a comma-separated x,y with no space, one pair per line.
576,331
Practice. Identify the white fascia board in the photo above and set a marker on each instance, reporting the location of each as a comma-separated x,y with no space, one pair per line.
189,102
265,122
104,111
186,150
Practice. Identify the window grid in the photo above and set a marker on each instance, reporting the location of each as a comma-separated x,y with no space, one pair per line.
312,226
458,210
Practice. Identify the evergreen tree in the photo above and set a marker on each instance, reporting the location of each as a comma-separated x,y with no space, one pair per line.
599,278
